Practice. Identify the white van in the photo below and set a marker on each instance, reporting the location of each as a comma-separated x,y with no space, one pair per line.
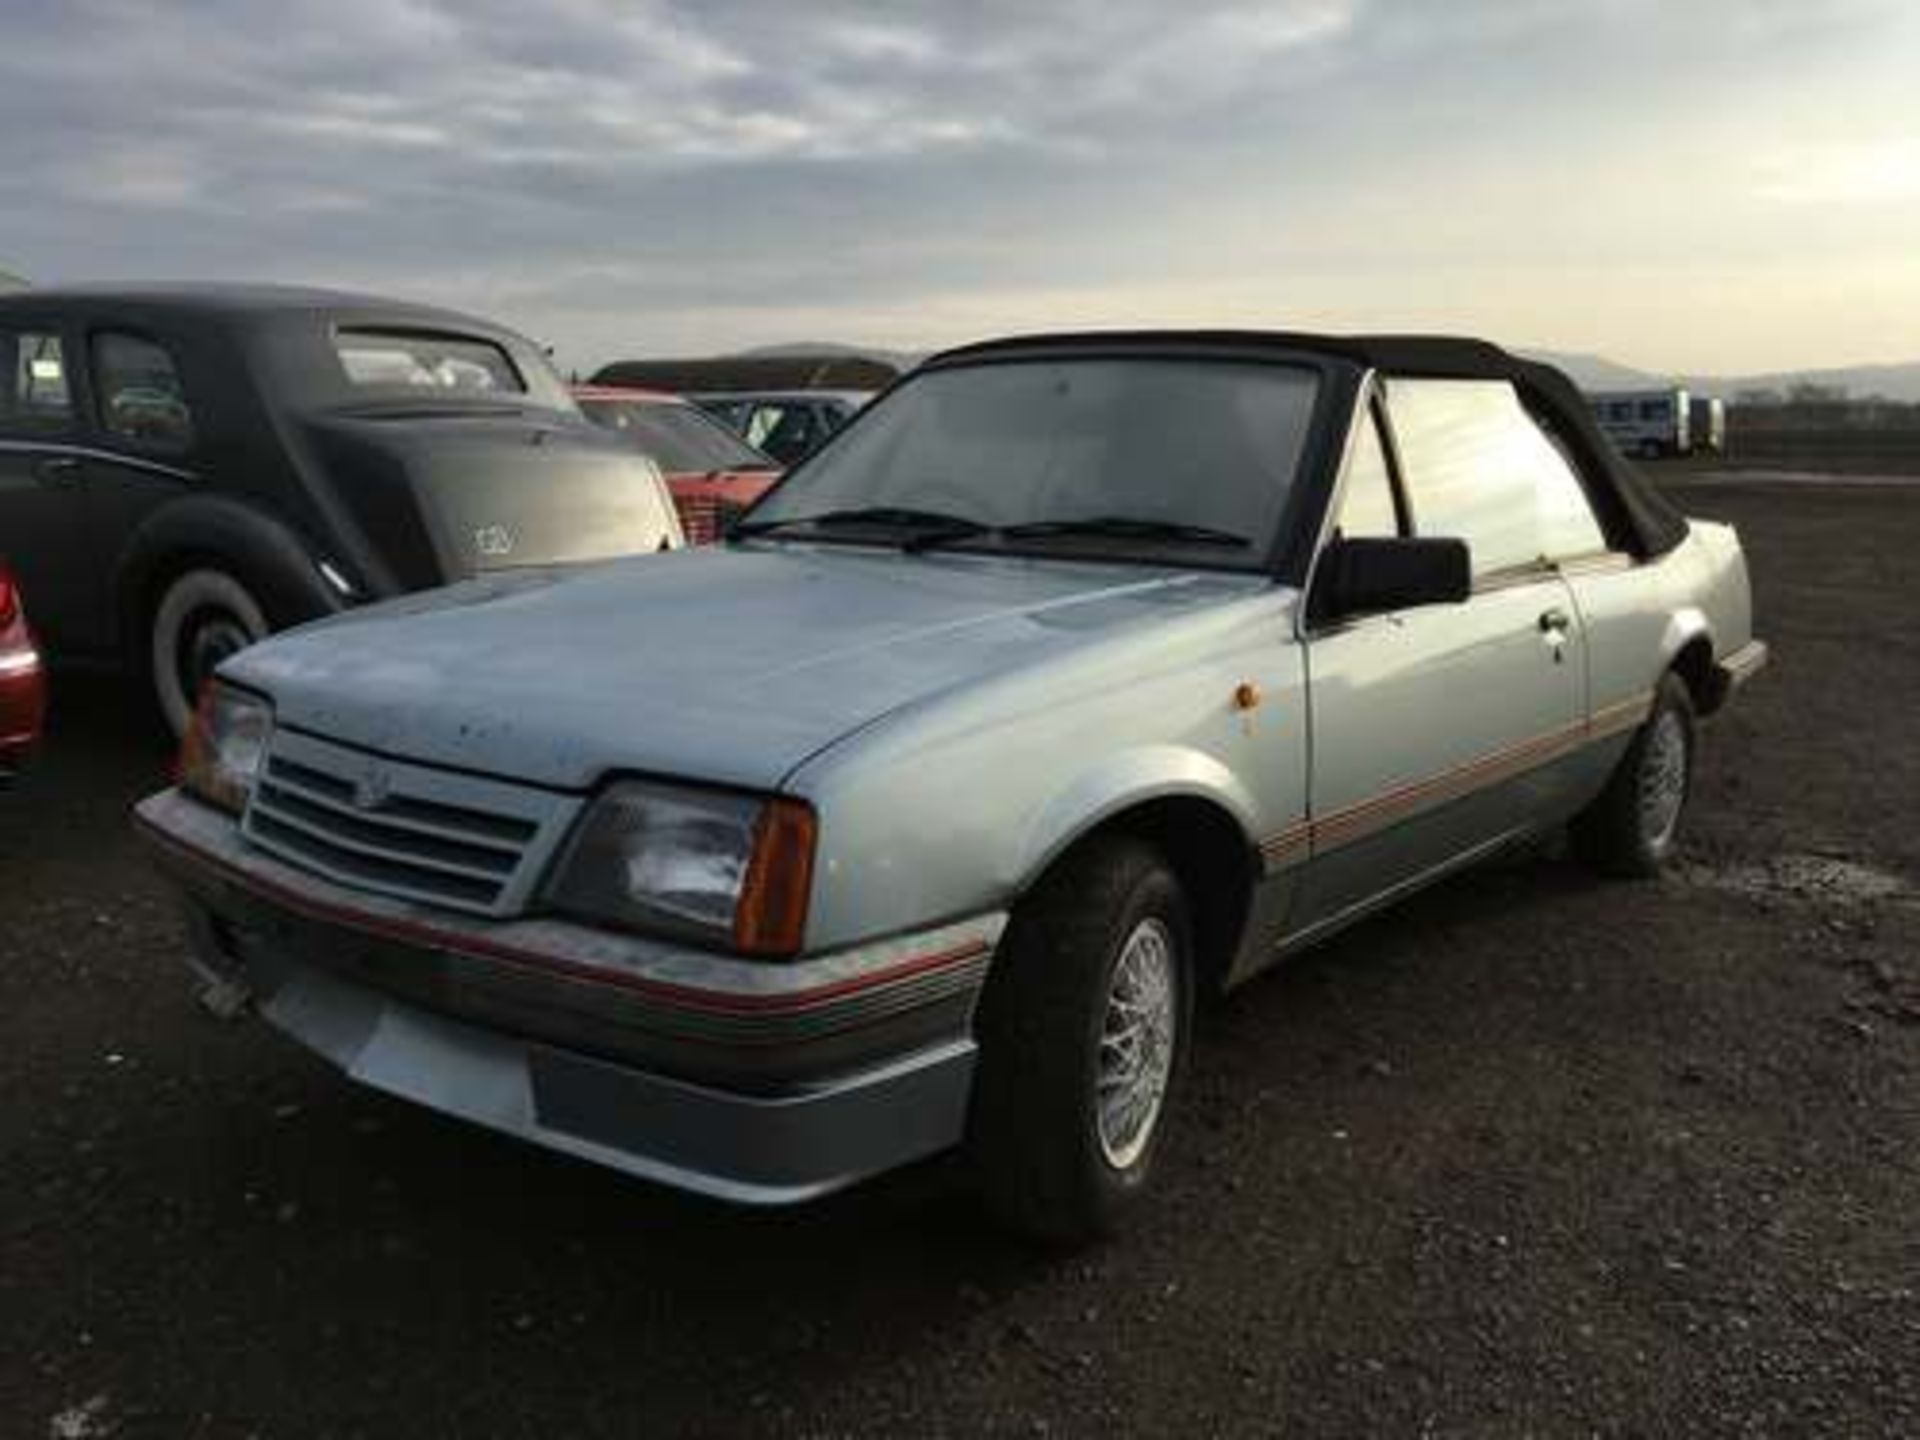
1647,423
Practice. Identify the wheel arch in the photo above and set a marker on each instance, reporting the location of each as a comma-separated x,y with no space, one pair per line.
255,547
1193,811
1688,648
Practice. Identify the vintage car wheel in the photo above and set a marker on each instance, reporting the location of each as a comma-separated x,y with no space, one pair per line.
1633,827
1083,1033
203,617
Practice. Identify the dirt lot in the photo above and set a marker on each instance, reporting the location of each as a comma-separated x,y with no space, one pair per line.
1533,1155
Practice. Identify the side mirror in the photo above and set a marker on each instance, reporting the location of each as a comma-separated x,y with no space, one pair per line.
1361,576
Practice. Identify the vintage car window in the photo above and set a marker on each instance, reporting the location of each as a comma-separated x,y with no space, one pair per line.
1188,443
785,431
1367,509
140,394
37,396
417,360
680,438
1477,467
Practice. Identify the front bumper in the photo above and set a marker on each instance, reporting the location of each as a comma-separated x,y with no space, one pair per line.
755,1082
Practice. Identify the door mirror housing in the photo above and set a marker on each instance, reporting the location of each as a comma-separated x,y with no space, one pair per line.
1366,575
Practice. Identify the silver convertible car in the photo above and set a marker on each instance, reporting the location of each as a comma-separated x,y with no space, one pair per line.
1078,675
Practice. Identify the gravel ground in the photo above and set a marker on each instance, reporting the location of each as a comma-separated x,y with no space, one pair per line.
1534,1154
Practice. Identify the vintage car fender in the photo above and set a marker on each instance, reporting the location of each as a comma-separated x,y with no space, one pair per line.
264,552
1120,782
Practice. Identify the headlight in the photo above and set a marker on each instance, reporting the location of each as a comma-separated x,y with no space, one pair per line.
707,865
225,746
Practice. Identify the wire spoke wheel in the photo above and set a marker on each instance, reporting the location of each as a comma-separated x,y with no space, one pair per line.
1136,1044
1663,778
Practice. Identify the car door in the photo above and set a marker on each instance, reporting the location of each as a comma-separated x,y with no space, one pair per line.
1439,731
43,530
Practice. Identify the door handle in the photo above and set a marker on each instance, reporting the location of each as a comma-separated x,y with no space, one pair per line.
1554,622
58,469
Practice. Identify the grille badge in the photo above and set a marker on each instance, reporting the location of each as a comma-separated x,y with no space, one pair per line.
371,788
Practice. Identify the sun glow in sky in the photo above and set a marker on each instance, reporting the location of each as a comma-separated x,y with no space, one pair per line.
1711,187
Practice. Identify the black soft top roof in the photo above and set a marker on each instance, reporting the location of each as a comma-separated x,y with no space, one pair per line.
1635,513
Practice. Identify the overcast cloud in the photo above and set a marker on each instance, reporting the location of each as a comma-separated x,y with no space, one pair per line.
1709,186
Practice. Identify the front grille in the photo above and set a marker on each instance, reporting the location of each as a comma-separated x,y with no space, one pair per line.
410,831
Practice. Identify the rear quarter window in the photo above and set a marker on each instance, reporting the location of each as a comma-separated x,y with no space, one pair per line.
1477,467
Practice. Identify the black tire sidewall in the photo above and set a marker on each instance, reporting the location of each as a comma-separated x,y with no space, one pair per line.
1032,1129
1671,698
1609,834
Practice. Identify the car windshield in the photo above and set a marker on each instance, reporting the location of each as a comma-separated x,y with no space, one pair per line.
680,439
1152,458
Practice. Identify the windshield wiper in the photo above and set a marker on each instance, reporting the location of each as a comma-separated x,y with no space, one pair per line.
928,526
1127,527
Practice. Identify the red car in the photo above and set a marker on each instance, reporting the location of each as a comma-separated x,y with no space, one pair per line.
23,692
711,471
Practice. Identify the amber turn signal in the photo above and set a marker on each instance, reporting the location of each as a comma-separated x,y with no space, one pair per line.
771,918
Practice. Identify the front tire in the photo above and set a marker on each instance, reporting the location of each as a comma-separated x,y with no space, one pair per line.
1633,828
203,616
1083,1034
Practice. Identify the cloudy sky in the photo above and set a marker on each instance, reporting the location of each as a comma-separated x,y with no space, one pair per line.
1700,186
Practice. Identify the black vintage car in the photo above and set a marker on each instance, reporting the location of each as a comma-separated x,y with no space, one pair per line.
185,468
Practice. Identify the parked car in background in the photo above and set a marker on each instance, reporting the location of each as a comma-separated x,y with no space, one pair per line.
23,698
1650,424
712,472
1707,425
186,468
789,425
1083,674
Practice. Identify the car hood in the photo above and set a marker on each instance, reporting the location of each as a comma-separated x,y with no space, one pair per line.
732,665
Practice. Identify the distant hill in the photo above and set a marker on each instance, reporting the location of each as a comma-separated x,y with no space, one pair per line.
897,359
839,369
1890,382
11,281
1596,372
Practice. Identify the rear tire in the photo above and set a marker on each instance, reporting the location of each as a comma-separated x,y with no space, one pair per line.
1083,1034
1633,828
203,616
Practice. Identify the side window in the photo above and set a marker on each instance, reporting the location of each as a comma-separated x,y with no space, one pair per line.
1366,509
761,421
139,391
37,398
1477,466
